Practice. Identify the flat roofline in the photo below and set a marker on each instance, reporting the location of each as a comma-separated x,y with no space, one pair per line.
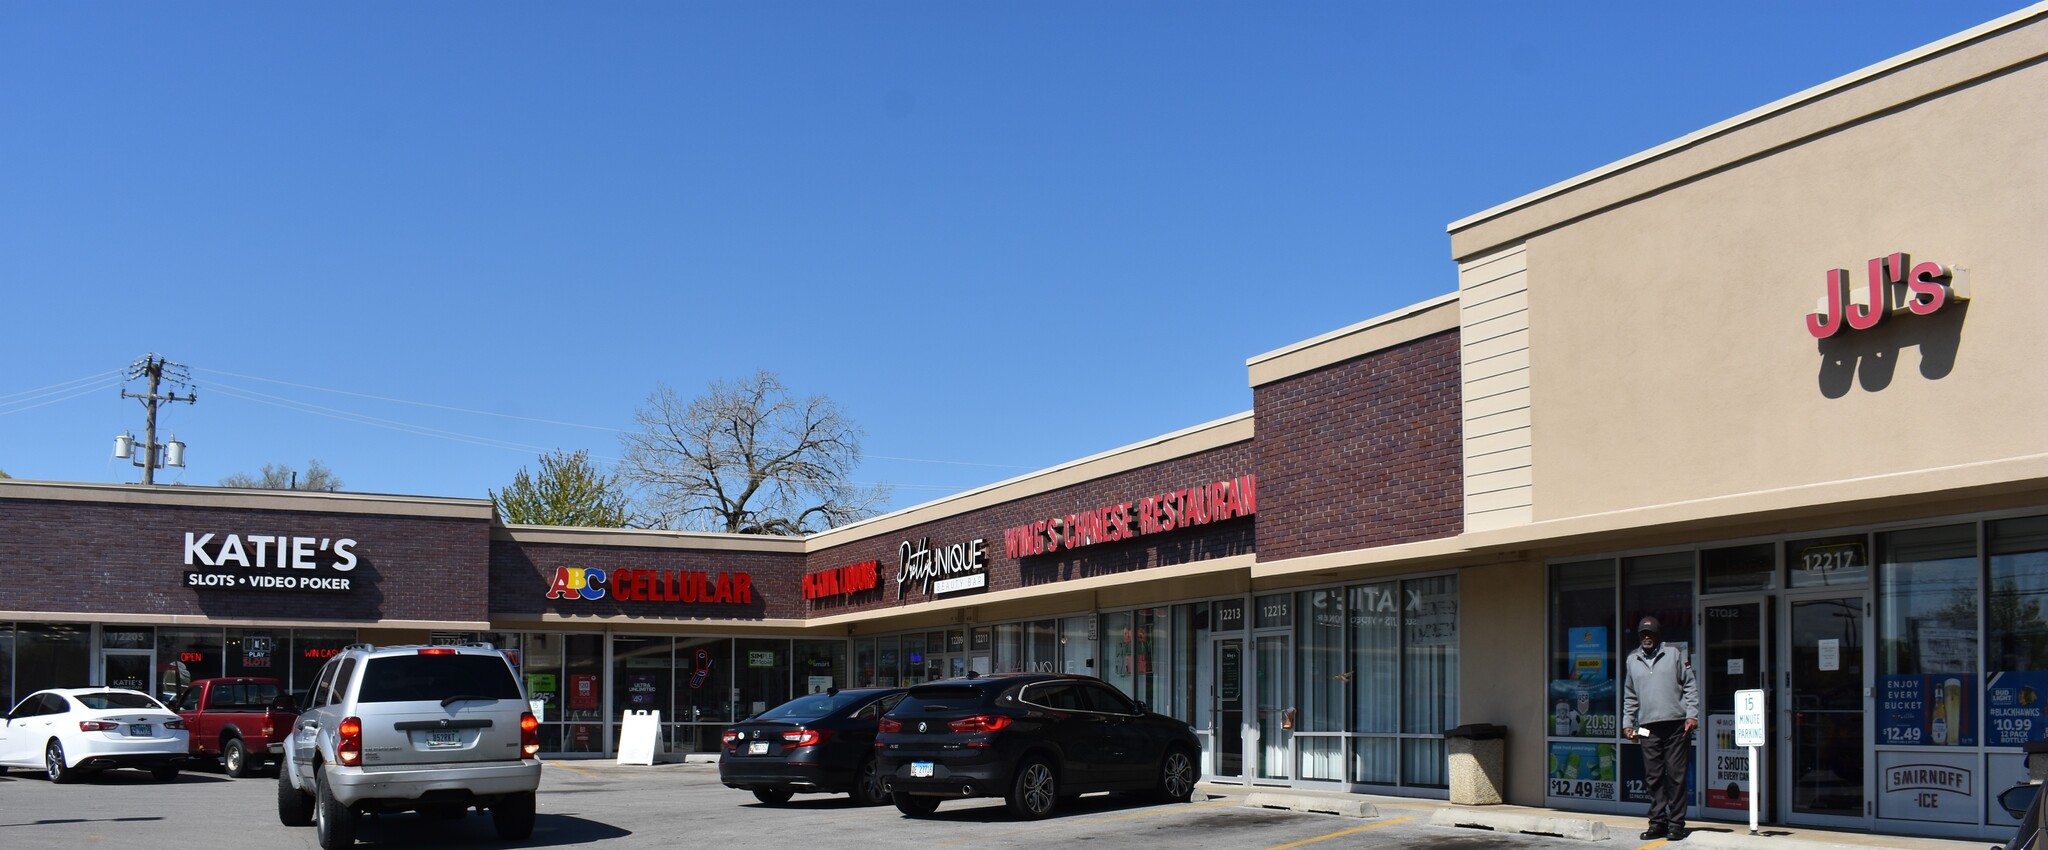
1754,116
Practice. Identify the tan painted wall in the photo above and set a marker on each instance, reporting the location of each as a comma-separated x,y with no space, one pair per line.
1668,355
1499,607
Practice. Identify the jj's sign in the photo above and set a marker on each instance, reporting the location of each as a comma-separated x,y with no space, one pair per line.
268,562
1892,284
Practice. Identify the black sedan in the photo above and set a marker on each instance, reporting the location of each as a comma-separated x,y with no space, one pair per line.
816,744
1032,739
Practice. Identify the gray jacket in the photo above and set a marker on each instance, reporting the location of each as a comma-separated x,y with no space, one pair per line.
1660,686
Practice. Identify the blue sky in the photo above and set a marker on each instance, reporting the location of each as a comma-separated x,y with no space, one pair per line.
423,242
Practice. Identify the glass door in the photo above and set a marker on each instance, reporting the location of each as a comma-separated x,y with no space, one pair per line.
1228,700
1819,715
1738,658
1273,668
128,668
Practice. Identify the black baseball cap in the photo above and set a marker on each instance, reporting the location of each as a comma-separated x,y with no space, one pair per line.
1650,625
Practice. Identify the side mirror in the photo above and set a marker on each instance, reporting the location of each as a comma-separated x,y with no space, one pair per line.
2018,799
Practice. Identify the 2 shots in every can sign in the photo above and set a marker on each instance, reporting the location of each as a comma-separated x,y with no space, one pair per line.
269,562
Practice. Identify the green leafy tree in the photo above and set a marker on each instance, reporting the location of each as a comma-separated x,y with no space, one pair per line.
3,474
746,457
277,476
568,491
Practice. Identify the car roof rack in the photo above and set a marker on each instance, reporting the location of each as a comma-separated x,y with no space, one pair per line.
362,646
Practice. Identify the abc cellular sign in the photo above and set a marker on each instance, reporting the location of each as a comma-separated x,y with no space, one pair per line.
634,585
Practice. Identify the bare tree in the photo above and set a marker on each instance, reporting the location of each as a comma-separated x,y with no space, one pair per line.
277,476
746,457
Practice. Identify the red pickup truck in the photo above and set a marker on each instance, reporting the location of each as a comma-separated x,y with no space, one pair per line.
242,720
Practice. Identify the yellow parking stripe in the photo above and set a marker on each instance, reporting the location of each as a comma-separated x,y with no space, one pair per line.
1340,834
575,770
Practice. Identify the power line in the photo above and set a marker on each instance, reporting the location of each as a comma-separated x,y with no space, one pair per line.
64,386
95,388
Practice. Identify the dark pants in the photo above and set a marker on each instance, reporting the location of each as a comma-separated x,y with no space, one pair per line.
1667,754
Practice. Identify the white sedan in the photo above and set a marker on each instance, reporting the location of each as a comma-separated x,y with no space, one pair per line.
70,731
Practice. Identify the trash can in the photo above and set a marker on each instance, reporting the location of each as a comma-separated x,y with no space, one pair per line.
1478,763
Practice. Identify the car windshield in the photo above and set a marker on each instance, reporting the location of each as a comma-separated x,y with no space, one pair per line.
812,707
116,700
414,678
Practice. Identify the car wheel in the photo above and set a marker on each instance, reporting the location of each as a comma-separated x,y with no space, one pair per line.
234,758
336,823
868,789
1036,791
773,796
164,774
512,816
54,766
913,805
293,808
1176,777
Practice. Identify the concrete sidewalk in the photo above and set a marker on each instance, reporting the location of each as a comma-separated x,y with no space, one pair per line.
1610,830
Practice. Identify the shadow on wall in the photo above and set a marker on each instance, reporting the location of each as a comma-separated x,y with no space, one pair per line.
1174,547
1870,358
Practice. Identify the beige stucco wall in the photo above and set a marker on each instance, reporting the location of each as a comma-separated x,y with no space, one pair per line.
1500,669
1668,357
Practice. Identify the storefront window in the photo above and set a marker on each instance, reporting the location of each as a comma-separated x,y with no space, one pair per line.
864,663
643,675
51,655
6,666
1009,639
1429,675
2017,627
257,652
540,659
704,680
1927,635
1136,659
183,655
1323,672
886,667
761,673
310,649
1042,646
1583,673
821,664
582,693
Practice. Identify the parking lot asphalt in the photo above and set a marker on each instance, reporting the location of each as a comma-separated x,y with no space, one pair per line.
609,805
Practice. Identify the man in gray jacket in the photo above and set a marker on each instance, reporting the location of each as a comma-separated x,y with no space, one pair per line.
1660,707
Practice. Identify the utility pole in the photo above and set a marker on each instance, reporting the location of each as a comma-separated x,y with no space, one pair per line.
157,370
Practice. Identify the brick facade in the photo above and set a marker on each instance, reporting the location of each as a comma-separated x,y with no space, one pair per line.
1157,550
114,558
1361,453
522,572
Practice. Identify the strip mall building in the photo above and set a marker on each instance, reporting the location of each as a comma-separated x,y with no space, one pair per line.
1777,383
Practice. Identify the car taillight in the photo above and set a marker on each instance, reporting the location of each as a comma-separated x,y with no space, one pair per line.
529,733
437,650
805,737
728,738
349,750
887,725
269,728
97,726
180,724
981,723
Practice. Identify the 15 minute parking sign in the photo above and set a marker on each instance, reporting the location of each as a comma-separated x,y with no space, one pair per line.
1749,718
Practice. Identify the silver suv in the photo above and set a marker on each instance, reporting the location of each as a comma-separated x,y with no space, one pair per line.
434,729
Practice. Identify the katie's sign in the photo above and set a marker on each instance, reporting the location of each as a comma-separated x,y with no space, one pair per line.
1891,285
268,561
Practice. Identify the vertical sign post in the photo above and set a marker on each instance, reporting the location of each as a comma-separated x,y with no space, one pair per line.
1749,732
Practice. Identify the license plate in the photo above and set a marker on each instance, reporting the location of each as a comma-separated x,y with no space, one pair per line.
141,730
920,769
444,738
757,748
